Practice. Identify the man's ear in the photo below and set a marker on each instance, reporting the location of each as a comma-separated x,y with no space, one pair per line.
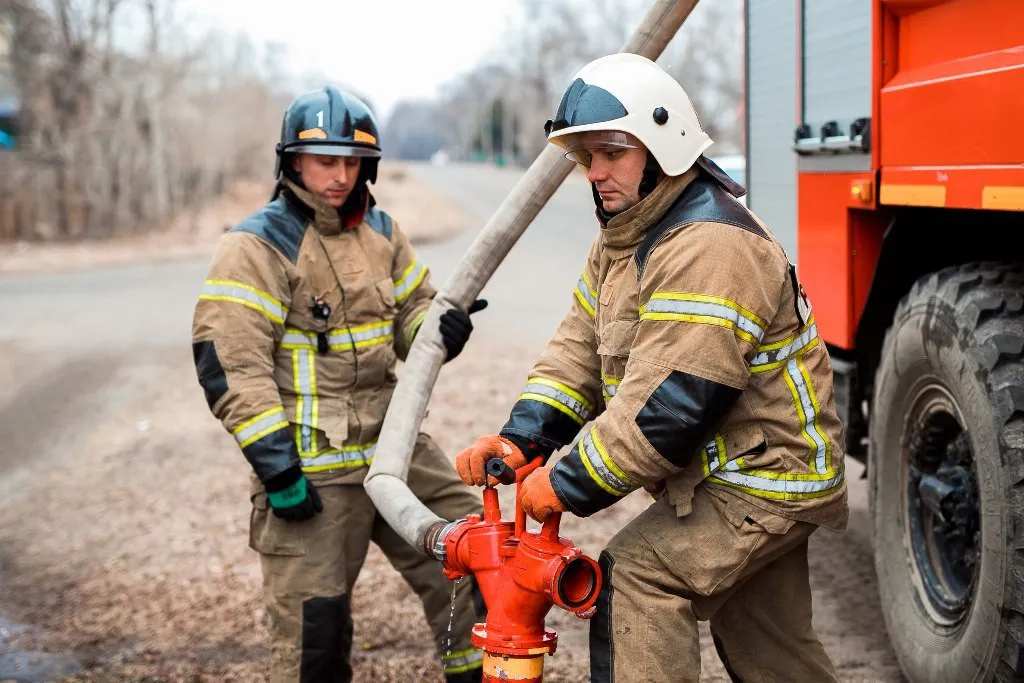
295,165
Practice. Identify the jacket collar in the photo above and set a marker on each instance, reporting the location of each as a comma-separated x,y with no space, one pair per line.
325,218
624,231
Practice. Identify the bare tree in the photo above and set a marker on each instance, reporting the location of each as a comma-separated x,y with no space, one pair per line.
552,39
114,141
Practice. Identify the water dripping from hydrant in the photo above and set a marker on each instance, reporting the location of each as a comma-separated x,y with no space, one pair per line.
451,616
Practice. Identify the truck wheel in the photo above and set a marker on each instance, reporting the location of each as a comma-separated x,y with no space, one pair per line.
946,475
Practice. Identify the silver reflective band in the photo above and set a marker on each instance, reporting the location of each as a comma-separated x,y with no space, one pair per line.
577,406
706,309
457,662
782,488
411,279
349,455
779,355
614,484
255,428
588,295
808,417
363,335
241,293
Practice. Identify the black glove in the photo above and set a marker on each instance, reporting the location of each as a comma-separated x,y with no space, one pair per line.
456,327
292,497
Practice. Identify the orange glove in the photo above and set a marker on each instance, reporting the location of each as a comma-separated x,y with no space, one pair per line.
470,463
538,496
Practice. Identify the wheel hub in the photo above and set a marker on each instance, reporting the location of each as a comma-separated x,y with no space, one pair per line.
942,504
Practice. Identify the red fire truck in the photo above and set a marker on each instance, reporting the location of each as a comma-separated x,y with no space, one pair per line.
885,142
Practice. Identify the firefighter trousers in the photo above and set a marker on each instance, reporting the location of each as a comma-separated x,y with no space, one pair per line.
309,570
728,562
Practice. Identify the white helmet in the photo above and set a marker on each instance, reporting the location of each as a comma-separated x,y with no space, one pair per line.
627,93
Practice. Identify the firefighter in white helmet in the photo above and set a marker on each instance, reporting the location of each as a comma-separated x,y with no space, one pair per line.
691,362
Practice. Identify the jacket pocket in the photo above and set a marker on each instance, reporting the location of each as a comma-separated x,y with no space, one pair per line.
270,535
617,338
318,420
723,540
730,444
386,292
735,444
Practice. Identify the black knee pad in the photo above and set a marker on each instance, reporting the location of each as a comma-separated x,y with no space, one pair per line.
472,676
601,646
326,640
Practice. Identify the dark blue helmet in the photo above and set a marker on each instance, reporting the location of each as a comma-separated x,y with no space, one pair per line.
329,121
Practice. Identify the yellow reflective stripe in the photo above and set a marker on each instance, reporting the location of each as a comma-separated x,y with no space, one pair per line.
554,404
775,355
609,386
562,388
412,278
307,403
254,429
296,387
414,326
821,480
602,468
713,455
344,339
560,396
781,485
246,295
586,294
705,309
805,386
463,660
360,455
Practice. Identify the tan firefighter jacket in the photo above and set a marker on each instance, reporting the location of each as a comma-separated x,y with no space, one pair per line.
691,350
297,331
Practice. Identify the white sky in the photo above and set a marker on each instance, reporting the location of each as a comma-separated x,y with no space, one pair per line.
388,49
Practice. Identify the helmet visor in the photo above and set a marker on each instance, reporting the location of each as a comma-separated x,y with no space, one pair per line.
585,104
580,147
334,149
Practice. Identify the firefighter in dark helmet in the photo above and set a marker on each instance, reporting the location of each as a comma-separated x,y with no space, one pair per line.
307,306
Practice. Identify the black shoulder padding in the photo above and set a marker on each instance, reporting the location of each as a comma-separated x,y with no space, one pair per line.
379,221
280,225
703,201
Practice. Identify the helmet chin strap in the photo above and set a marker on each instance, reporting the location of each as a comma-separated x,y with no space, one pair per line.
602,215
648,181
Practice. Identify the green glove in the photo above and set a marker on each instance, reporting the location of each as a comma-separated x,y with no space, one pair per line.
292,497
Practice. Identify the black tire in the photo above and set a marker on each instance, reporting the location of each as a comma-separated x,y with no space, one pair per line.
948,415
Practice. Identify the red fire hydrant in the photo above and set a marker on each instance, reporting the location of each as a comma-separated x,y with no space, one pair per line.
521,575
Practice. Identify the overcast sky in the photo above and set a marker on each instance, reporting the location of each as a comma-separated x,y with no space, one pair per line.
388,49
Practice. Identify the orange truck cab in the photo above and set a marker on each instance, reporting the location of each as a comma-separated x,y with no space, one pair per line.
885,145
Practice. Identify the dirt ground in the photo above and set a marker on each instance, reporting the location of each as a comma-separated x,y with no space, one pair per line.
134,557
420,211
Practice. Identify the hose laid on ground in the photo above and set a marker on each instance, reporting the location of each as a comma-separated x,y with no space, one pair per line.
385,482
